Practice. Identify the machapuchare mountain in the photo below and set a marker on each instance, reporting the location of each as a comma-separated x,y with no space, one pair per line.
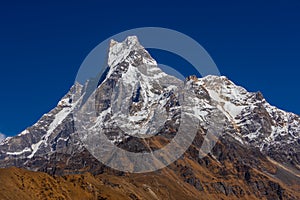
138,108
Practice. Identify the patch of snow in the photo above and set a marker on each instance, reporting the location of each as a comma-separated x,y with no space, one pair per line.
35,148
232,109
254,135
236,137
23,132
5,141
20,152
229,109
63,139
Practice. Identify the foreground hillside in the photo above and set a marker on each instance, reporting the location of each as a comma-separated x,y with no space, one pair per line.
187,178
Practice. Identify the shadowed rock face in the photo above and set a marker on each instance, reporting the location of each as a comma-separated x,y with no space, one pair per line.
256,157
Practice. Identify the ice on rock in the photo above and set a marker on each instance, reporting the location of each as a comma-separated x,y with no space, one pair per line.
140,98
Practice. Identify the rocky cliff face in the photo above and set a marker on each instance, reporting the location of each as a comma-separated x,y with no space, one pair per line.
139,108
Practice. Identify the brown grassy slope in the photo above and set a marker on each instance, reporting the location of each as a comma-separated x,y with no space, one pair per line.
22,184
168,183
232,173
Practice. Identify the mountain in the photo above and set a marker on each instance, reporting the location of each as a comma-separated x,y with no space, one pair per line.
139,108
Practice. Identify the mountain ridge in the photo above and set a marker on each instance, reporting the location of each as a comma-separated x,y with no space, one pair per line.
144,103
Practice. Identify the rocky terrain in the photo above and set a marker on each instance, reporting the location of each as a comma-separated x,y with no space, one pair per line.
140,109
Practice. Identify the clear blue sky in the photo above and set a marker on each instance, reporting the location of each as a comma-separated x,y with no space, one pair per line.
42,44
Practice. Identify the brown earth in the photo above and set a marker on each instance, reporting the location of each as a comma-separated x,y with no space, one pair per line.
230,172
185,179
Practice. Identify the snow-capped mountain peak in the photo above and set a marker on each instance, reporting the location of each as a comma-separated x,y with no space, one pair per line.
137,98
118,51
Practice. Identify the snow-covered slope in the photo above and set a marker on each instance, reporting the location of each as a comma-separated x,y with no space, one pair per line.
47,135
253,121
